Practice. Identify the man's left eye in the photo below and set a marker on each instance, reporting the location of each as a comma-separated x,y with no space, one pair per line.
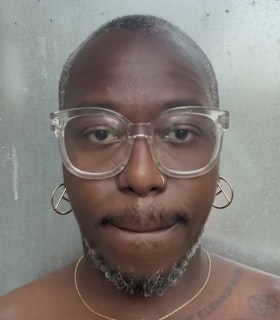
181,135
100,135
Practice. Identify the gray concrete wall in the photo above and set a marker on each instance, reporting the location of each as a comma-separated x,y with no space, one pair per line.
242,39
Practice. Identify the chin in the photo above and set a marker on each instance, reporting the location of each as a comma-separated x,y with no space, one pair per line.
148,283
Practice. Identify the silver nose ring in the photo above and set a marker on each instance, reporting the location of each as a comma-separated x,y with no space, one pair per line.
163,182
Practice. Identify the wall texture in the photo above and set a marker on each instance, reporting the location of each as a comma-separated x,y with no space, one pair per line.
242,39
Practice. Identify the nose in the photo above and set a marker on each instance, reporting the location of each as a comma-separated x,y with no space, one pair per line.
141,176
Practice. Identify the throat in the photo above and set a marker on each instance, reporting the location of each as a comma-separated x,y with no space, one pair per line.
157,307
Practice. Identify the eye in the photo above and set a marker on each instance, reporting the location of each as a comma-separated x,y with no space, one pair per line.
100,135
182,135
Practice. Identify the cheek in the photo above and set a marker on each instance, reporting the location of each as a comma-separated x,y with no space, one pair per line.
88,198
206,190
198,195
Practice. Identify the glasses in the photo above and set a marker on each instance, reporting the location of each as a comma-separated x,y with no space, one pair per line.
96,143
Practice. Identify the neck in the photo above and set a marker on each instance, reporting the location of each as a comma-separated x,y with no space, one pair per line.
103,297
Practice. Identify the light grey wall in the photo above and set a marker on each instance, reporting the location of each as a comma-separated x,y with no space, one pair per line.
242,39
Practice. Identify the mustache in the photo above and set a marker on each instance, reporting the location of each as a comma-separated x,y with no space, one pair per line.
153,214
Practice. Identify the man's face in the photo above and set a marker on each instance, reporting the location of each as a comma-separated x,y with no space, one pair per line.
134,224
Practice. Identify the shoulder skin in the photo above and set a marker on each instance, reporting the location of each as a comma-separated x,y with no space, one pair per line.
234,292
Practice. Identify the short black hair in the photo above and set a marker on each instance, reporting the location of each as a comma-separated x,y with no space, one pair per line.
151,25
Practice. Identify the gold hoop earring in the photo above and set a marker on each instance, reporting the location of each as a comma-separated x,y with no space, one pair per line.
60,196
227,192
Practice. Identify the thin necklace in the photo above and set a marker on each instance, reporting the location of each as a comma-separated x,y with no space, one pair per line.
162,318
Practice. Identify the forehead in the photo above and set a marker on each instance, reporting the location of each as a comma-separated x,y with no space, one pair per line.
124,68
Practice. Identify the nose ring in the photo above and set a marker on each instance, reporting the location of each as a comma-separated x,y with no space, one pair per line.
163,182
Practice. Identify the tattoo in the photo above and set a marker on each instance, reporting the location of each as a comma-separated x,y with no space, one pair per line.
263,305
204,313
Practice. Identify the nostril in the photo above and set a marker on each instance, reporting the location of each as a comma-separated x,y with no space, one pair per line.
140,186
156,189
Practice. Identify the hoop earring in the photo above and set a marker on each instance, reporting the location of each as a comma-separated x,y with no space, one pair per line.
61,197
227,194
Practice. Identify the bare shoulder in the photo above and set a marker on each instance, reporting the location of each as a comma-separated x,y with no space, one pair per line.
253,278
39,297
246,292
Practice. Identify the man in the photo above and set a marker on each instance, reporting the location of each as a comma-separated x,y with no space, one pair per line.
140,134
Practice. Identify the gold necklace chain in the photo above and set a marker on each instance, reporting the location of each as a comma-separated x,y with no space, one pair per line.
162,318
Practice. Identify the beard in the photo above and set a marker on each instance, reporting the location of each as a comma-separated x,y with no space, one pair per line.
153,284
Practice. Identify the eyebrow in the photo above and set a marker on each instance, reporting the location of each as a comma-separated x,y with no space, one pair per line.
105,105
182,103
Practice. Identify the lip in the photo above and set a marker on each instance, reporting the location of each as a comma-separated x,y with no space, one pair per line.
141,231
144,236
144,229
143,224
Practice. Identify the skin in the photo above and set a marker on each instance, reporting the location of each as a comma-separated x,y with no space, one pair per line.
139,76
117,81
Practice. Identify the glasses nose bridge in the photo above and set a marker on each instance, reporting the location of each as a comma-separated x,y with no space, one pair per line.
140,130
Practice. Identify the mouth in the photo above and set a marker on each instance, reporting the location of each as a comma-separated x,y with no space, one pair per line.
143,225
139,229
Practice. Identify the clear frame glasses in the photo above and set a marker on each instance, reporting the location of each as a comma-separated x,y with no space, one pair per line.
96,143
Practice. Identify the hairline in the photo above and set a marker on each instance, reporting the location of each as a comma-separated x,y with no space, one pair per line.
150,25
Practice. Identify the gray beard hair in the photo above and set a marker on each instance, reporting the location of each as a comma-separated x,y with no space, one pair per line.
153,284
